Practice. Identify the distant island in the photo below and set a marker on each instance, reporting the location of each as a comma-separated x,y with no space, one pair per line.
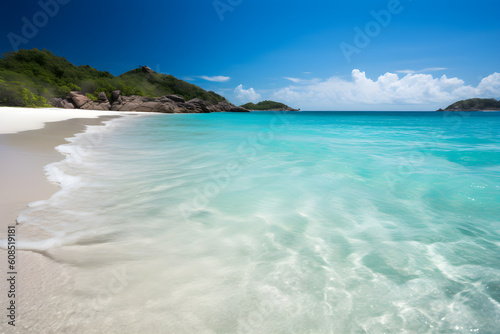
474,105
38,78
268,106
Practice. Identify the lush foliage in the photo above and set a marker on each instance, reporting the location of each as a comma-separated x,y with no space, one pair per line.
475,104
265,105
13,94
31,77
156,84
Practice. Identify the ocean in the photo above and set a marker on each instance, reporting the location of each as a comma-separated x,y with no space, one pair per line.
277,222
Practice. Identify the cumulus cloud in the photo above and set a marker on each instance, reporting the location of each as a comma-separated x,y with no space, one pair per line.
388,89
490,86
218,78
246,95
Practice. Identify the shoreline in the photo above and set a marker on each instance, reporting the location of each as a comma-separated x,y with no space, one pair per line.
23,157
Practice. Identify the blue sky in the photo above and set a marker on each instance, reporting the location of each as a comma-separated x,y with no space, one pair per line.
292,51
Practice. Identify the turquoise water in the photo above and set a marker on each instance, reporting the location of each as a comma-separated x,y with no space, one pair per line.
274,223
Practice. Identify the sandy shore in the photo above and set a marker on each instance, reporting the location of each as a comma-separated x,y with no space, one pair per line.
23,156
27,144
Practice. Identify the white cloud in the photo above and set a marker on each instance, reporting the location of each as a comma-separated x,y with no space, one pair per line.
303,81
218,78
296,80
490,86
246,95
430,69
389,91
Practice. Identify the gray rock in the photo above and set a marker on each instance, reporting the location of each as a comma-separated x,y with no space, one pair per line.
115,95
175,98
147,69
79,99
102,97
96,106
199,105
61,103
238,109
164,104
66,104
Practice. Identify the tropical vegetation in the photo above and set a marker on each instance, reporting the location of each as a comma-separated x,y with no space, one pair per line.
264,105
30,78
475,104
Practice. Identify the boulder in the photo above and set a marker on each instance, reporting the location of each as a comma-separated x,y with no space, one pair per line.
115,95
199,105
164,104
238,109
144,104
147,69
66,104
102,97
61,103
96,106
175,98
79,99
186,107
223,106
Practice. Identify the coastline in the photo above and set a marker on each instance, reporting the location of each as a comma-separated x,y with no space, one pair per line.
24,156
24,152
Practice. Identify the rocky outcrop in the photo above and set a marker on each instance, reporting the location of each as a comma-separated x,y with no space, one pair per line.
238,109
147,69
163,104
79,99
97,106
175,98
102,98
62,103
145,104
116,96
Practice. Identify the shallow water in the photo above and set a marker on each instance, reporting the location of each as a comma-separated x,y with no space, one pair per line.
278,223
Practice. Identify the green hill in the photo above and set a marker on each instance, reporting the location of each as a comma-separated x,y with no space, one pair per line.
267,105
30,78
474,105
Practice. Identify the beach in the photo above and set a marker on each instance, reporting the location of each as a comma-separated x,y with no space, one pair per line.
28,138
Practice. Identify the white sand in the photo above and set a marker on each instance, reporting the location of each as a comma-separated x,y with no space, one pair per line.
14,120
27,144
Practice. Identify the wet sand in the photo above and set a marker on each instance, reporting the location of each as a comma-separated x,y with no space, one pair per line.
23,156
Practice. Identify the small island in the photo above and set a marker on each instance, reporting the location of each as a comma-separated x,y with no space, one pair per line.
268,106
474,105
